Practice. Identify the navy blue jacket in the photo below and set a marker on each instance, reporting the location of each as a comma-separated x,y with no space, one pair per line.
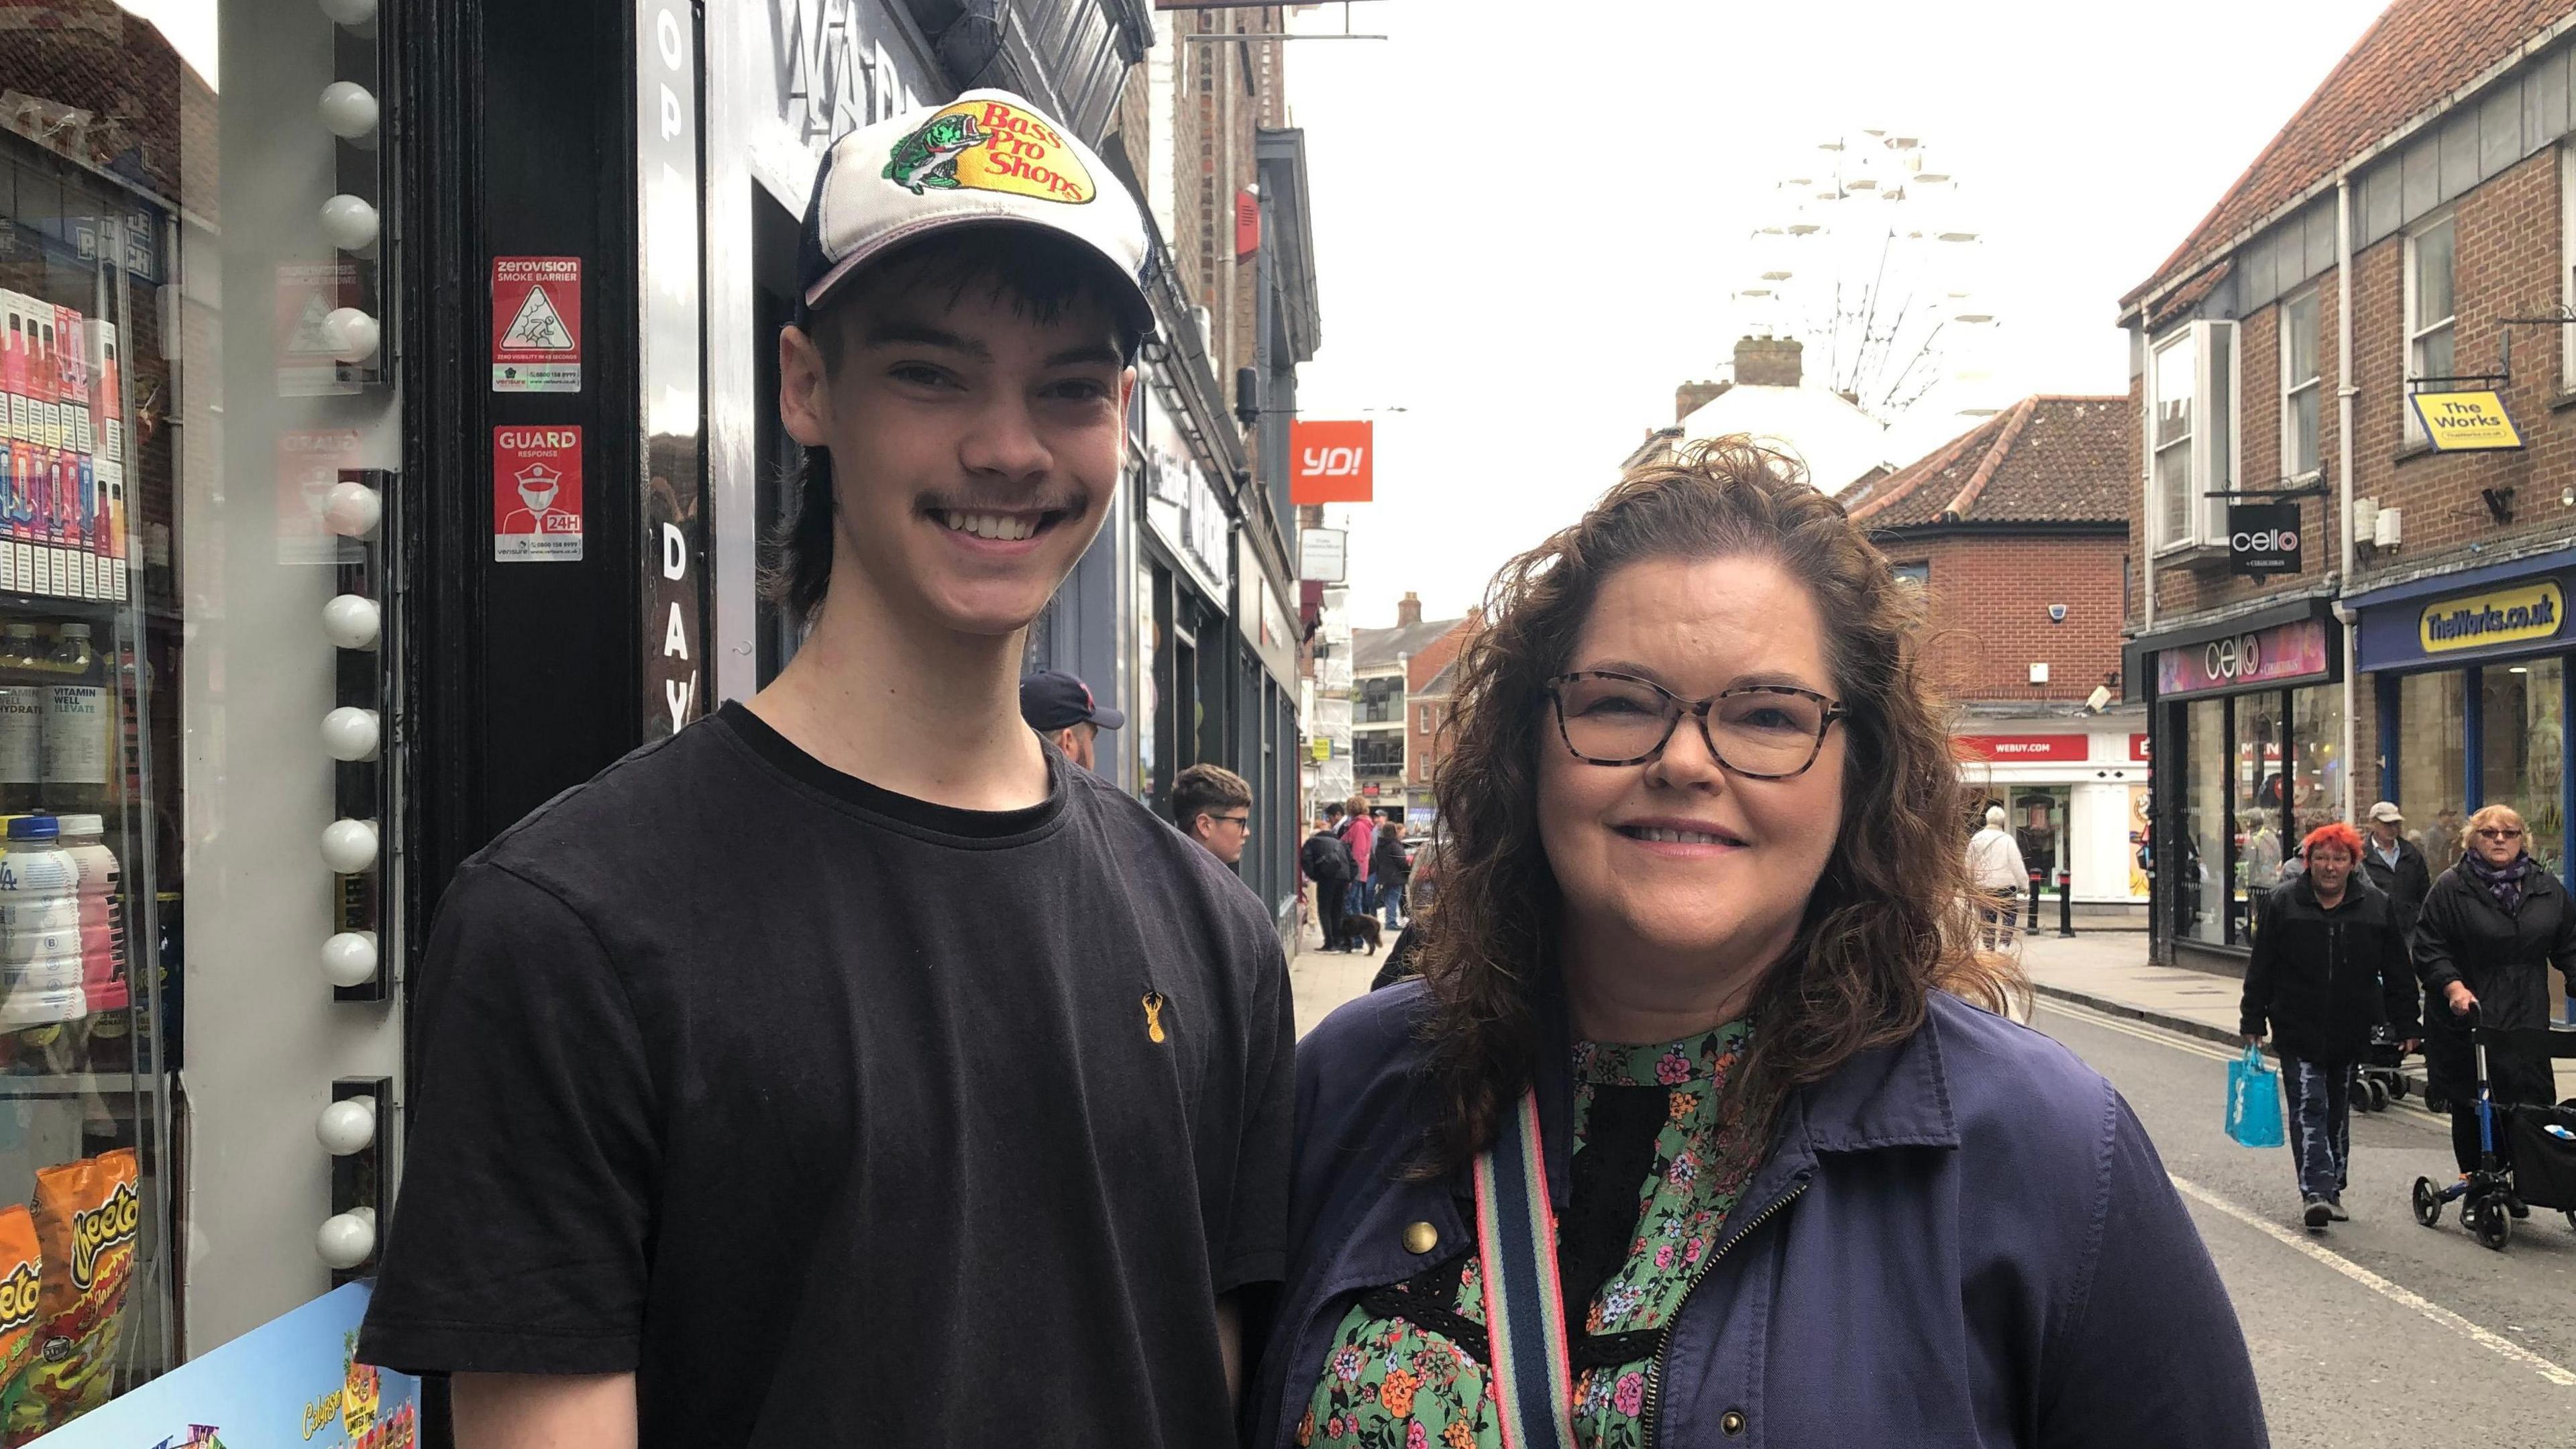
1963,1239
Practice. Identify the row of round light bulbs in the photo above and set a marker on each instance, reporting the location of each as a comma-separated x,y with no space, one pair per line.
350,621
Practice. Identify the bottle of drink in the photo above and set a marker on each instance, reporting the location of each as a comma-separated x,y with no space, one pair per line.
102,912
40,936
77,721
22,719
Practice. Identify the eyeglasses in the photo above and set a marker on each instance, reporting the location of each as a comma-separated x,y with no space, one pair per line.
1239,822
1758,731
2498,832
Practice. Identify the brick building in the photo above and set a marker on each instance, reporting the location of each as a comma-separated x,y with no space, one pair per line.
2376,248
1768,396
1391,752
2016,532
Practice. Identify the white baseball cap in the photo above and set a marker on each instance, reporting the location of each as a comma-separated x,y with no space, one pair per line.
2386,811
986,157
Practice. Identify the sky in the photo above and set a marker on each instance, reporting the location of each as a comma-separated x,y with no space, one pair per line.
1527,225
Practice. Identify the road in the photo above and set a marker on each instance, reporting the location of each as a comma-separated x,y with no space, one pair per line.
2381,1333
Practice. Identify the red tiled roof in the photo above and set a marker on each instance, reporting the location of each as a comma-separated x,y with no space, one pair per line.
2413,55
2043,460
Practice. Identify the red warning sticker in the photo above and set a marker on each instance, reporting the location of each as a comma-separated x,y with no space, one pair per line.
536,495
536,324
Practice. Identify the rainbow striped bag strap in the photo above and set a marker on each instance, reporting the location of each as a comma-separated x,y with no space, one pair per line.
1524,1307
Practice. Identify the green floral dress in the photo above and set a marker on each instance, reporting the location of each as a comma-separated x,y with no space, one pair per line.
1654,1174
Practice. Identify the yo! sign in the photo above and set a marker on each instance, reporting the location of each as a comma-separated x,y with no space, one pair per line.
1332,462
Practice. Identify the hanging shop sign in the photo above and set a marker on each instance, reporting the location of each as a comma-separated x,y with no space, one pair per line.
1332,462
2294,653
2263,538
1181,504
2465,422
536,495
2523,614
1323,554
536,324
2013,749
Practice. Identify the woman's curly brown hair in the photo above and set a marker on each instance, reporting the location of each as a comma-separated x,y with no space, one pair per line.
1889,921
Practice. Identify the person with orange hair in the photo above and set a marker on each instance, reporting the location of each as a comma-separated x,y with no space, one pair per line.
2330,965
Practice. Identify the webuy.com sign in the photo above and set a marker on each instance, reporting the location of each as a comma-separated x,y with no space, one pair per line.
2516,615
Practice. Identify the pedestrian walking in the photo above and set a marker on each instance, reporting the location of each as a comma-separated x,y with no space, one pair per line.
1359,834
1213,806
2329,966
1689,1130
1326,862
834,1066
2396,864
1996,871
1059,706
1387,871
2491,928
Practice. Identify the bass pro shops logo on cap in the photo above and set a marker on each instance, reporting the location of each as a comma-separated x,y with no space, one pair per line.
990,145
985,158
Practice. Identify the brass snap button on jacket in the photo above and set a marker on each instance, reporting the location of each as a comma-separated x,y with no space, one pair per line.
1732,1421
1421,1238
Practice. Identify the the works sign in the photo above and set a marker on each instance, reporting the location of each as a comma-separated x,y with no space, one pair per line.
2517,615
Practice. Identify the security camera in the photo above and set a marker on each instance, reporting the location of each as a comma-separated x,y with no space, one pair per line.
2057,613
2098,699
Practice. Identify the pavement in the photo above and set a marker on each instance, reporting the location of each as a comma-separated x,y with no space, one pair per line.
2109,972
1322,980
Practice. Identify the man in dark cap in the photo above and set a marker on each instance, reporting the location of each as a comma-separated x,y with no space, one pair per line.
1060,707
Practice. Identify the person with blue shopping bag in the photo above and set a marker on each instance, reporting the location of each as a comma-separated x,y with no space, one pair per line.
2330,964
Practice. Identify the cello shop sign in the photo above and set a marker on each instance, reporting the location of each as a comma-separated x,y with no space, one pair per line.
2294,653
2263,538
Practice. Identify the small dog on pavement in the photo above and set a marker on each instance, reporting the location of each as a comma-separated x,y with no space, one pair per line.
1355,928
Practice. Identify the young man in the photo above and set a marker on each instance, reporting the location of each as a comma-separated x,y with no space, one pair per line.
1327,863
1213,806
2329,964
1060,707
850,1067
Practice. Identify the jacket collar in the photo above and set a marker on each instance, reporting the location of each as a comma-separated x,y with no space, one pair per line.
1896,1095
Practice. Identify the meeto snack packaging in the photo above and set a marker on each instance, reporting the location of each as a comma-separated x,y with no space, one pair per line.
88,1216
21,1271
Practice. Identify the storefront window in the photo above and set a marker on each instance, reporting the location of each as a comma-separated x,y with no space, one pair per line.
2316,775
2432,762
2260,735
2523,739
2199,877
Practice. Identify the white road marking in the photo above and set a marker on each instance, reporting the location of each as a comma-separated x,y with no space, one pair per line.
2493,1342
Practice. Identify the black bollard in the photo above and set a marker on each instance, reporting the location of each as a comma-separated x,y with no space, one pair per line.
2065,903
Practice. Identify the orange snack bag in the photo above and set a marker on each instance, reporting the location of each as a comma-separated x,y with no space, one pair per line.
89,1216
21,1265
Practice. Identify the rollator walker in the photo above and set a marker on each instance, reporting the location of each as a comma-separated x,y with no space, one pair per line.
2526,1153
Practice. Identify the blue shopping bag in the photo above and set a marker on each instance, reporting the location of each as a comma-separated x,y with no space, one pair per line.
2254,1101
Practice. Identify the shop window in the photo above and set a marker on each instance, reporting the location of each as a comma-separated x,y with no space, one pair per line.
1917,576
2192,427
2523,739
2302,391
2432,762
2316,764
2200,876
2259,788
2430,324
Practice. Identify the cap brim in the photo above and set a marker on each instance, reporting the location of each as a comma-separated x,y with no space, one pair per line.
1131,295
1109,719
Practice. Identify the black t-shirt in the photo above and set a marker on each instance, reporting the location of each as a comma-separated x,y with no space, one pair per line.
840,1117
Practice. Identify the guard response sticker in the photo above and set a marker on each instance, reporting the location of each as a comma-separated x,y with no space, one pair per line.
88,1215
990,146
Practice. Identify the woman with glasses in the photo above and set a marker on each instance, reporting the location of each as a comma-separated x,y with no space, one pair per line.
2490,929
1692,1135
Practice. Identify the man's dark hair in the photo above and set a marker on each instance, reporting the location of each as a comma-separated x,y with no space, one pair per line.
1333,811
1205,790
1039,273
